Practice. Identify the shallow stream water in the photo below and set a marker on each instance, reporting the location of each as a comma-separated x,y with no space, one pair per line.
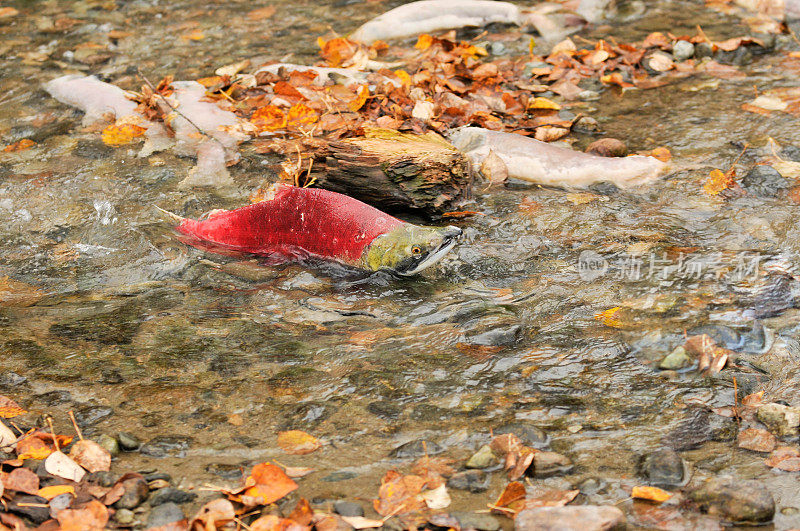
138,333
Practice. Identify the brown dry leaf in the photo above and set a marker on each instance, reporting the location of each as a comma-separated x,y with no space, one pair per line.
551,498
91,456
92,516
59,464
661,62
517,463
269,482
432,466
424,42
550,133
784,458
119,134
437,498
653,494
399,494
262,13
756,440
337,50
511,499
298,442
656,39
8,408
271,522
754,399
505,443
22,480
494,169
302,513
17,294
48,493
214,514
19,145
718,181
7,437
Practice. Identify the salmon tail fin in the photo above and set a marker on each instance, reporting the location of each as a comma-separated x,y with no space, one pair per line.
169,216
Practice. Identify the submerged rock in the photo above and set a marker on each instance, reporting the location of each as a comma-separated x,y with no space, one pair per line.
136,492
781,420
128,442
416,448
529,434
471,480
483,458
164,514
109,443
166,446
664,468
682,50
171,495
482,522
736,501
764,181
569,518
608,147
676,360
546,464
348,508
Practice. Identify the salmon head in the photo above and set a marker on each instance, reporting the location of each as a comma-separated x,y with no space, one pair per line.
408,249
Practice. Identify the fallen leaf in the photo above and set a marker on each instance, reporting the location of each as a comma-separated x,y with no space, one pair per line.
214,514
508,501
717,182
359,522
17,294
661,153
270,483
360,100
399,494
424,42
297,471
756,440
550,133
22,480
437,498
494,169
8,408
653,494
93,516
7,437
540,103
609,317
20,145
194,35
551,498
59,464
298,442
52,491
269,118
91,456
119,134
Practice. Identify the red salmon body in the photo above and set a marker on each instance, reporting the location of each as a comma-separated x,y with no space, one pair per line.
295,221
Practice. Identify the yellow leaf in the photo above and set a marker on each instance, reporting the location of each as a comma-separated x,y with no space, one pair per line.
52,491
36,453
653,494
269,118
119,134
298,442
608,317
405,78
360,100
20,145
8,408
424,42
717,182
300,114
543,103
194,35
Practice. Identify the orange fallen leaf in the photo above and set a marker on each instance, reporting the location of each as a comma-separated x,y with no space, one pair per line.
269,118
52,491
461,214
399,494
270,483
360,99
508,501
540,103
8,408
22,480
19,145
661,153
298,442
784,458
653,494
424,42
609,317
337,50
717,182
121,134
6,12
300,114
213,515
756,440
91,517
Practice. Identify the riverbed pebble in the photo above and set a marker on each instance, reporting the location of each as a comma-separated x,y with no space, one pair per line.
663,468
764,181
675,360
546,464
416,448
166,446
779,419
682,50
171,495
164,514
483,458
529,434
569,518
136,492
482,522
471,480
128,442
608,147
348,508
735,500
109,443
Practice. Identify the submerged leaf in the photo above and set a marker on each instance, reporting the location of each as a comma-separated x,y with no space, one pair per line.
653,494
298,442
270,483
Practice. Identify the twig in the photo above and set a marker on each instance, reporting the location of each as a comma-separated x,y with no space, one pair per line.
53,432
75,424
239,522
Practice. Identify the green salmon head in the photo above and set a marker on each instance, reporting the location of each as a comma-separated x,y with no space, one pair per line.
408,249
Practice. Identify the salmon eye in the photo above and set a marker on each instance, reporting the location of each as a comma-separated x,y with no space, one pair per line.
416,249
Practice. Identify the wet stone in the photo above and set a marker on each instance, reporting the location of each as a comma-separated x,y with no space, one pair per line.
11,379
608,147
547,464
225,471
92,149
499,337
33,507
482,522
529,434
156,476
779,419
55,398
341,475
676,360
736,501
682,50
164,514
348,508
790,153
171,495
470,480
128,442
384,409
91,415
136,491
569,518
663,468
698,427
109,443
483,458
703,49
166,446
124,517
416,448
764,181
591,486
104,478
111,376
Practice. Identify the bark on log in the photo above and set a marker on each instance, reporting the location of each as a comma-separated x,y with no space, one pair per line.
396,172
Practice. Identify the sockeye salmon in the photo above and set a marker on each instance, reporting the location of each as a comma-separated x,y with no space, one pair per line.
295,223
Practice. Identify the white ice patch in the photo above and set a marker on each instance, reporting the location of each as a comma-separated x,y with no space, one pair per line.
538,162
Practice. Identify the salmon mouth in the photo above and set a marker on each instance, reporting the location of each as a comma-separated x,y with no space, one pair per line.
449,240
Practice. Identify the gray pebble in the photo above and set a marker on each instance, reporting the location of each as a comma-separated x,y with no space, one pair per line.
136,491
164,514
128,442
416,448
124,516
471,480
764,181
109,443
348,508
171,495
682,50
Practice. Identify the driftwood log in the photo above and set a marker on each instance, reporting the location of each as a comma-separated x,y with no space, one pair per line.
396,172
